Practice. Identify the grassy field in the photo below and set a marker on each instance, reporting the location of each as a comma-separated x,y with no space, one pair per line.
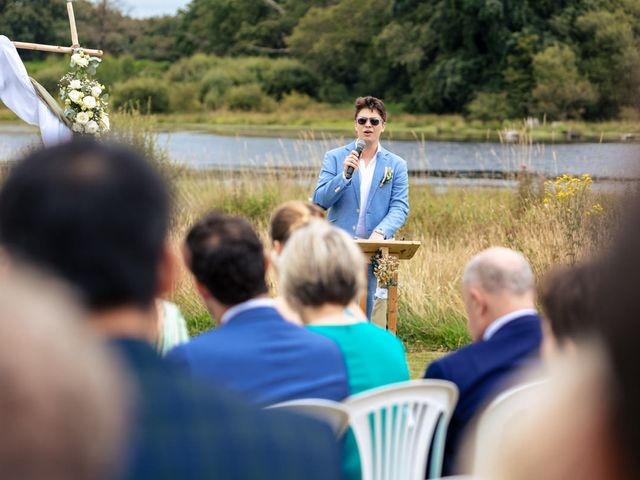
552,222
452,227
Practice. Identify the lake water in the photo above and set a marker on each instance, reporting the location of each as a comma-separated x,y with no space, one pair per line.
205,150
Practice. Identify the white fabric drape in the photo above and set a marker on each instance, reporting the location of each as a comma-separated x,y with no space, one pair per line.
17,93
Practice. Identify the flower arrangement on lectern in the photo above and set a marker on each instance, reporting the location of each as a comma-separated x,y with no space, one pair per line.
385,269
84,97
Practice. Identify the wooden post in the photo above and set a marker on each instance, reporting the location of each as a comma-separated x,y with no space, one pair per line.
75,43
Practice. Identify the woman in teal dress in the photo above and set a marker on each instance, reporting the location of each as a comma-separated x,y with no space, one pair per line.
321,272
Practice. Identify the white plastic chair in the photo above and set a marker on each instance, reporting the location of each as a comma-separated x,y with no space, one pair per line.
493,424
333,413
394,426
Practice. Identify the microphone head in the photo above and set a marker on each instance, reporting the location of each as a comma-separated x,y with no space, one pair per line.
360,146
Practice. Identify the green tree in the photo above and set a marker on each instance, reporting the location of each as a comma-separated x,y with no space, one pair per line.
560,91
327,41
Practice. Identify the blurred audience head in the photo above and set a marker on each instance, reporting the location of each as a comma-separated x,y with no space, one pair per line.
567,297
495,282
288,217
62,401
95,215
321,265
561,428
227,260
615,314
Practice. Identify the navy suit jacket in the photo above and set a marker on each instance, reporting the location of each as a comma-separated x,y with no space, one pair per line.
184,430
481,370
266,358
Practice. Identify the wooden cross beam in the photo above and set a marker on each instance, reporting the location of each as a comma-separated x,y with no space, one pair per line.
75,43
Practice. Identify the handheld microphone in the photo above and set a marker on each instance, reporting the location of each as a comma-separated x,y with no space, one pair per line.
359,147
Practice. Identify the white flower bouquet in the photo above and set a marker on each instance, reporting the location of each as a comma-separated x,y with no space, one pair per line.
83,96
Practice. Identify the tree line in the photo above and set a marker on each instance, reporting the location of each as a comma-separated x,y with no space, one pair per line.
483,58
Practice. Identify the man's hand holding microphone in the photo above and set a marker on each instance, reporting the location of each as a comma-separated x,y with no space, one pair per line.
352,161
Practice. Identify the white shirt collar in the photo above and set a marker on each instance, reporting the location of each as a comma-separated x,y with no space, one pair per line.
500,322
244,306
378,148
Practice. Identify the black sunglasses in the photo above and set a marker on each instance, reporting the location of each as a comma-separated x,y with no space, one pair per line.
375,121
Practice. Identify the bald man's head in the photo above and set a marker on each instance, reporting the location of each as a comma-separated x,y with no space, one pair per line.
496,282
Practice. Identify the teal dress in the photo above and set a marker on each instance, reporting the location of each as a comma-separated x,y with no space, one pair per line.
374,357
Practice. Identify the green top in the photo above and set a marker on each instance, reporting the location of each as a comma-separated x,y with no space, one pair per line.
174,328
374,357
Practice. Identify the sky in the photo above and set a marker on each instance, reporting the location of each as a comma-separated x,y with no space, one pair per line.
150,8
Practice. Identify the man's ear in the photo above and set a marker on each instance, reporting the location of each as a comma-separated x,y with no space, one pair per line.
267,261
277,246
202,290
478,300
168,271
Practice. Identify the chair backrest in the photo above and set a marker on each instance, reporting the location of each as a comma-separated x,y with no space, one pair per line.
395,425
493,424
330,412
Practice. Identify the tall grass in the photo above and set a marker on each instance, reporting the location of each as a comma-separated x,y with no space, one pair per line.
452,227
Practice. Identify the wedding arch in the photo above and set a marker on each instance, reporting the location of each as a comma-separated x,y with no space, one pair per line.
28,99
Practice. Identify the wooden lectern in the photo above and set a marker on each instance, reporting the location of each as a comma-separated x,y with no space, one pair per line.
402,250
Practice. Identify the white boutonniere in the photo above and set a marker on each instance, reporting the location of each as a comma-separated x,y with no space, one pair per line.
388,175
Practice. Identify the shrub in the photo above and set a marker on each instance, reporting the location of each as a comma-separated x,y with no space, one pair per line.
213,100
49,77
296,101
144,94
490,106
248,98
216,82
287,75
192,69
183,97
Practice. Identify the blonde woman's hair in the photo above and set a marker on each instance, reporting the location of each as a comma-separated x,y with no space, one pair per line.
290,216
321,264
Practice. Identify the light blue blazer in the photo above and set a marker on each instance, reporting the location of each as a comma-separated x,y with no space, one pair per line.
387,206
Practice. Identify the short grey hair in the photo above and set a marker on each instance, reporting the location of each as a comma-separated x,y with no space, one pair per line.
499,270
321,264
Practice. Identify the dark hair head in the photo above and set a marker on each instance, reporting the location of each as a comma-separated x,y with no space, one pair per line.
96,215
372,103
567,297
290,216
227,257
616,315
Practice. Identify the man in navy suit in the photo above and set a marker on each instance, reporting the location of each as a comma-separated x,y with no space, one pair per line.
498,294
372,202
254,351
97,217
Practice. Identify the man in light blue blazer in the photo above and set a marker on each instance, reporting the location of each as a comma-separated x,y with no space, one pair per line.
366,195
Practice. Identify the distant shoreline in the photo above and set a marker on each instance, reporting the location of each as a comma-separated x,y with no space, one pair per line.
401,127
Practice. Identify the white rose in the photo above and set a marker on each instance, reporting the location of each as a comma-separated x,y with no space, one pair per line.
76,127
105,122
82,118
75,84
75,59
89,102
96,91
82,62
75,96
92,127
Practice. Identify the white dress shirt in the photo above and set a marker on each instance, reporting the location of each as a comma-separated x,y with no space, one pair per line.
244,306
366,178
500,322
18,94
